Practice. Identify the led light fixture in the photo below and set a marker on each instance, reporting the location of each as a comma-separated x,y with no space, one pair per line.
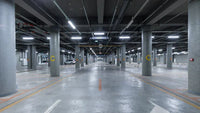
76,38
99,38
99,33
173,37
71,24
28,38
124,37
48,38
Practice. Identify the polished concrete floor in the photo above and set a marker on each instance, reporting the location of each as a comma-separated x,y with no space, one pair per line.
102,88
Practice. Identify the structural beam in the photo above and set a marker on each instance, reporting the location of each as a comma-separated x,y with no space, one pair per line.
169,9
32,11
100,10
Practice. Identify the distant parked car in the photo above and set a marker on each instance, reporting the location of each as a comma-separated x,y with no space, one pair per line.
68,62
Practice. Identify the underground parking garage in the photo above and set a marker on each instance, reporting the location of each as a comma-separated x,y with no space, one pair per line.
99,56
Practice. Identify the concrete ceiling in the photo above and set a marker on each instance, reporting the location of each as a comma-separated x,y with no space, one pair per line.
167,17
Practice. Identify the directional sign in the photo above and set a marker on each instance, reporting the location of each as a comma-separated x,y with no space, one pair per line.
52,58
148,57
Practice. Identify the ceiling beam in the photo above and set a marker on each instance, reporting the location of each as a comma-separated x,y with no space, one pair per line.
169,9
32,11
100,10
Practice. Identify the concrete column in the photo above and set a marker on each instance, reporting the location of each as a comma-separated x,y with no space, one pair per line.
62,59
138,58
146,51
40,59
113,58
29,57
154,57
129,59
123,53
87,58
7,48
169,56
165,58
49,59
32,57
77,51
82,58
55,52
194,46
118,57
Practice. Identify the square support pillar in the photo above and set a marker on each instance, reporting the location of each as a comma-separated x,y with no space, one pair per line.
146,51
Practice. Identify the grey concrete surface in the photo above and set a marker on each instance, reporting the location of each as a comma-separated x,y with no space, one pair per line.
32,60
154,57
123,56
194,46
77,58
82,58
120,93
164,58
169,56
138,58
118,56
55,52
7,47
146,51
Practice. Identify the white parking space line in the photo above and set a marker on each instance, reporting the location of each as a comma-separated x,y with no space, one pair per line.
50,109
158,109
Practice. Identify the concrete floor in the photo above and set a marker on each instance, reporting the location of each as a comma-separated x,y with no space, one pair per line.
101,88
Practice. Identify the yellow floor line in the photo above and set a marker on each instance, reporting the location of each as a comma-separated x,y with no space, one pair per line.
196,106
3,109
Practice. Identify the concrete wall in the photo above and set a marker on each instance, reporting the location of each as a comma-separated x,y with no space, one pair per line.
181,58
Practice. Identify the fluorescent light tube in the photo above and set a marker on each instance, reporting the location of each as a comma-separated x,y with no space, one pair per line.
28,38
124,37
71,24
76,38
173,37
152,37
99,38
99,33
48,38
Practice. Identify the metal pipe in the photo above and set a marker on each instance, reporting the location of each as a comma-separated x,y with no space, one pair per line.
155,11
54,1
133,17
175,17
87,16
113,17
121,13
